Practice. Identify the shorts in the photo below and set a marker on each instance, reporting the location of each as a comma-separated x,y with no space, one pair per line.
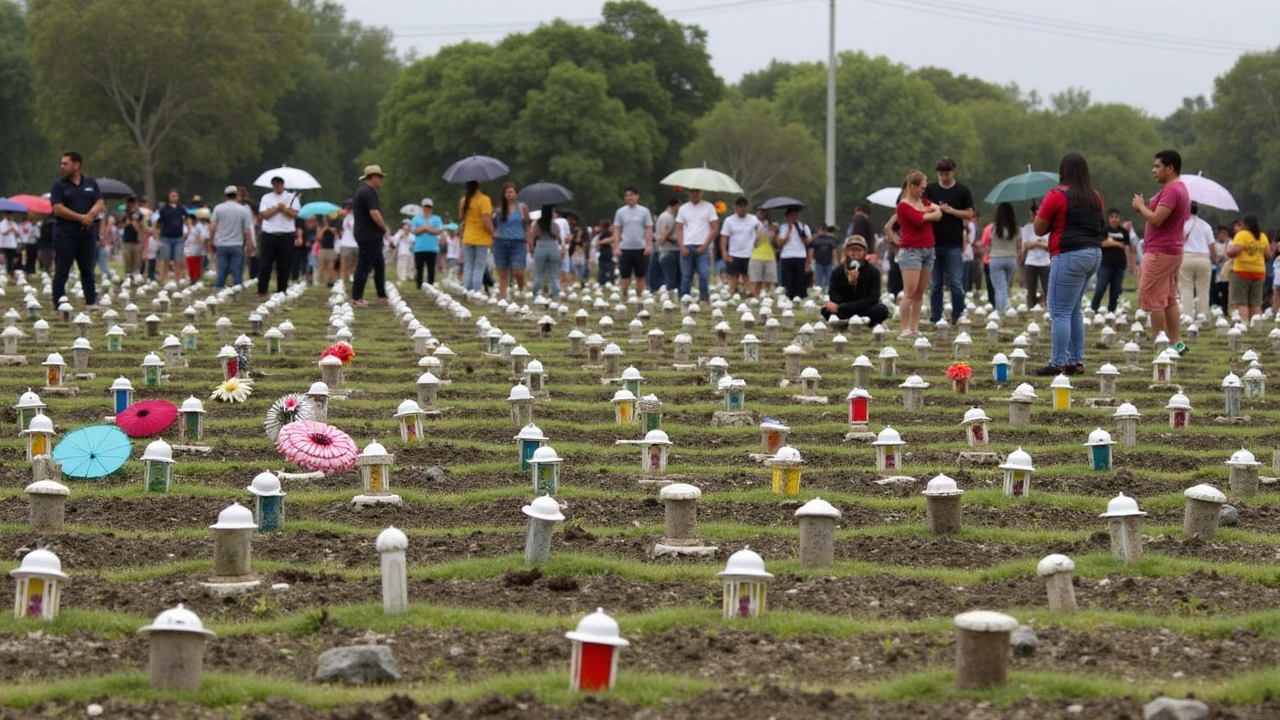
633,263
765,271
916,258
1244,292
510,253
326,258
1158,281
170,249
739,266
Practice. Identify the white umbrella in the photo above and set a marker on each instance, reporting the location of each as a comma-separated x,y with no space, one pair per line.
704,179
294,178
411,210
886,197
1207,192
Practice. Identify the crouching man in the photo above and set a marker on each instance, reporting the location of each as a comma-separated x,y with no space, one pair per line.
855,286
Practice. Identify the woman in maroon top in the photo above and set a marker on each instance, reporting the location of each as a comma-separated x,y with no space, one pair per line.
915,216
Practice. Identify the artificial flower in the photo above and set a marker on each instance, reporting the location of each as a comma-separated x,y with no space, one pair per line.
233,390
960,371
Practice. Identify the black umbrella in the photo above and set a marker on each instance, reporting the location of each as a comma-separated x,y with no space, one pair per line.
478,168
781,201
544,193
112,188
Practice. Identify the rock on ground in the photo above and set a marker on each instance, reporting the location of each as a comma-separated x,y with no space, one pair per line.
358,665
1024,641
1166,708
1228,516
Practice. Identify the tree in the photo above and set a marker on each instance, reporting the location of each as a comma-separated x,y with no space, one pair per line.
958,89
764,83
25,162
177,85
1070,101
1178,130
748,140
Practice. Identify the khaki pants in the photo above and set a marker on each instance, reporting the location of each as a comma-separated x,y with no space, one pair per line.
132,258
1193,279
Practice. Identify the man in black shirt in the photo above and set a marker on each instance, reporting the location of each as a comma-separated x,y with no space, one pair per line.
948,234
77,203
131,230
855,286
1117,257
370,229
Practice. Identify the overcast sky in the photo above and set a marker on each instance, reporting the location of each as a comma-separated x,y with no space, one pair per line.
1148,53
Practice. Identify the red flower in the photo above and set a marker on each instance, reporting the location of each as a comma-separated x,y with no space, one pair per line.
341,350
959,371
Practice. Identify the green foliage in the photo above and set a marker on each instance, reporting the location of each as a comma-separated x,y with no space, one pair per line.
959,89
25,163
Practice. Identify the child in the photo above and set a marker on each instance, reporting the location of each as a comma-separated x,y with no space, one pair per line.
404,252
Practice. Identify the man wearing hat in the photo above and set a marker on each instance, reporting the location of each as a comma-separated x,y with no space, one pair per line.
855,286
370,229
278,210
956,203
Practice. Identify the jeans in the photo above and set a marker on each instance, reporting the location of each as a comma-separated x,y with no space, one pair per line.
79,250
104,260
1112,278
699,263
604,269
653,278
370,259
546,267
274,249
230,262
424,259
1002,269
949,267
670,273
822,275
475,260
1069,273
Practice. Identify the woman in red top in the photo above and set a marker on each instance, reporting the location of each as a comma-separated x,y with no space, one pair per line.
916,216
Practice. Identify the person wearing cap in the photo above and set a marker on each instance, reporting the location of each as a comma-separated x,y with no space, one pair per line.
278,209
854,288
426,228
370,229
956,202
737,240
231,227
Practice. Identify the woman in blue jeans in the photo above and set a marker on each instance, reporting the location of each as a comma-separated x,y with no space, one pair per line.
547,248
1072,216
1003,253
511,230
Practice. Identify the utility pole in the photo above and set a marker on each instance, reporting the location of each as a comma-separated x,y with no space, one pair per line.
831,115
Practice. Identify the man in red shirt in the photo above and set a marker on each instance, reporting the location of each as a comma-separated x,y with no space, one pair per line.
1162,246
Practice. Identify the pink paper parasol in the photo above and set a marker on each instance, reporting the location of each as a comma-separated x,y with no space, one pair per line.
146,418
317,446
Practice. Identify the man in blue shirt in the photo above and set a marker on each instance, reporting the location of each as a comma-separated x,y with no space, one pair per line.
77,203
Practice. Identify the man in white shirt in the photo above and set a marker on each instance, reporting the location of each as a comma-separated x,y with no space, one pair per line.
633,228
1198,256
696,226
279,209
737,240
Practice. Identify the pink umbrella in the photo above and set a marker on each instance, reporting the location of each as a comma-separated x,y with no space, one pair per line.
317,446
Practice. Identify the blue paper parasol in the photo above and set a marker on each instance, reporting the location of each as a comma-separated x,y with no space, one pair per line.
319,207
93,452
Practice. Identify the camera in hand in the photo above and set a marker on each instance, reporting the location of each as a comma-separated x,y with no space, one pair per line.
853,265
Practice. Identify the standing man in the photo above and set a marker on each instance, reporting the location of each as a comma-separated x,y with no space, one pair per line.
370,229
131,233
696,226
1117,258
231,227
1162,242
956,203
279,236
633,226
668,248
737,240
1198,257
170,228
823,250
77,202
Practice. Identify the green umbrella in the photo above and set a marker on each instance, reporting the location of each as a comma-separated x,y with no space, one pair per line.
1028,186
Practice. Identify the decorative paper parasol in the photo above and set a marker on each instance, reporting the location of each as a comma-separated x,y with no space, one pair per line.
146,418
290,408
93,452
317,446
33,203
233,390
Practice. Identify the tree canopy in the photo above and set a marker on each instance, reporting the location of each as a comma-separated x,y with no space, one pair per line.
24,146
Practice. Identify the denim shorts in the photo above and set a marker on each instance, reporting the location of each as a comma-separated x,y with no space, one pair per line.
170,249
510,253
916,258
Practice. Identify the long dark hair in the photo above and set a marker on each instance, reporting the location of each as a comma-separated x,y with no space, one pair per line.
506,206
1250,223
544,222
472,187
1006,221
1073,171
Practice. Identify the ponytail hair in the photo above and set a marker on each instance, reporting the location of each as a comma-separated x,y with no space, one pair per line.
472,187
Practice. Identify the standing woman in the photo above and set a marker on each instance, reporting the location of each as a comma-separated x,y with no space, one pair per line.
475,211
916,253
547,245
1249,252
426,228
1071,214
1035,260
1006,246
509,247
795,256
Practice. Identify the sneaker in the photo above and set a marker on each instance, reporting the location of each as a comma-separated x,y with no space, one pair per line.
1050,371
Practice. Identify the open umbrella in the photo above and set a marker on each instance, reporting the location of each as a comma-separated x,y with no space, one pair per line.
544,193
411,210
290,408
476,167
317,446
319,207
9,206
1204,191
146,418
294,178
781,201
33,203
93,452
704,179
1029,185
886,197
112,188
